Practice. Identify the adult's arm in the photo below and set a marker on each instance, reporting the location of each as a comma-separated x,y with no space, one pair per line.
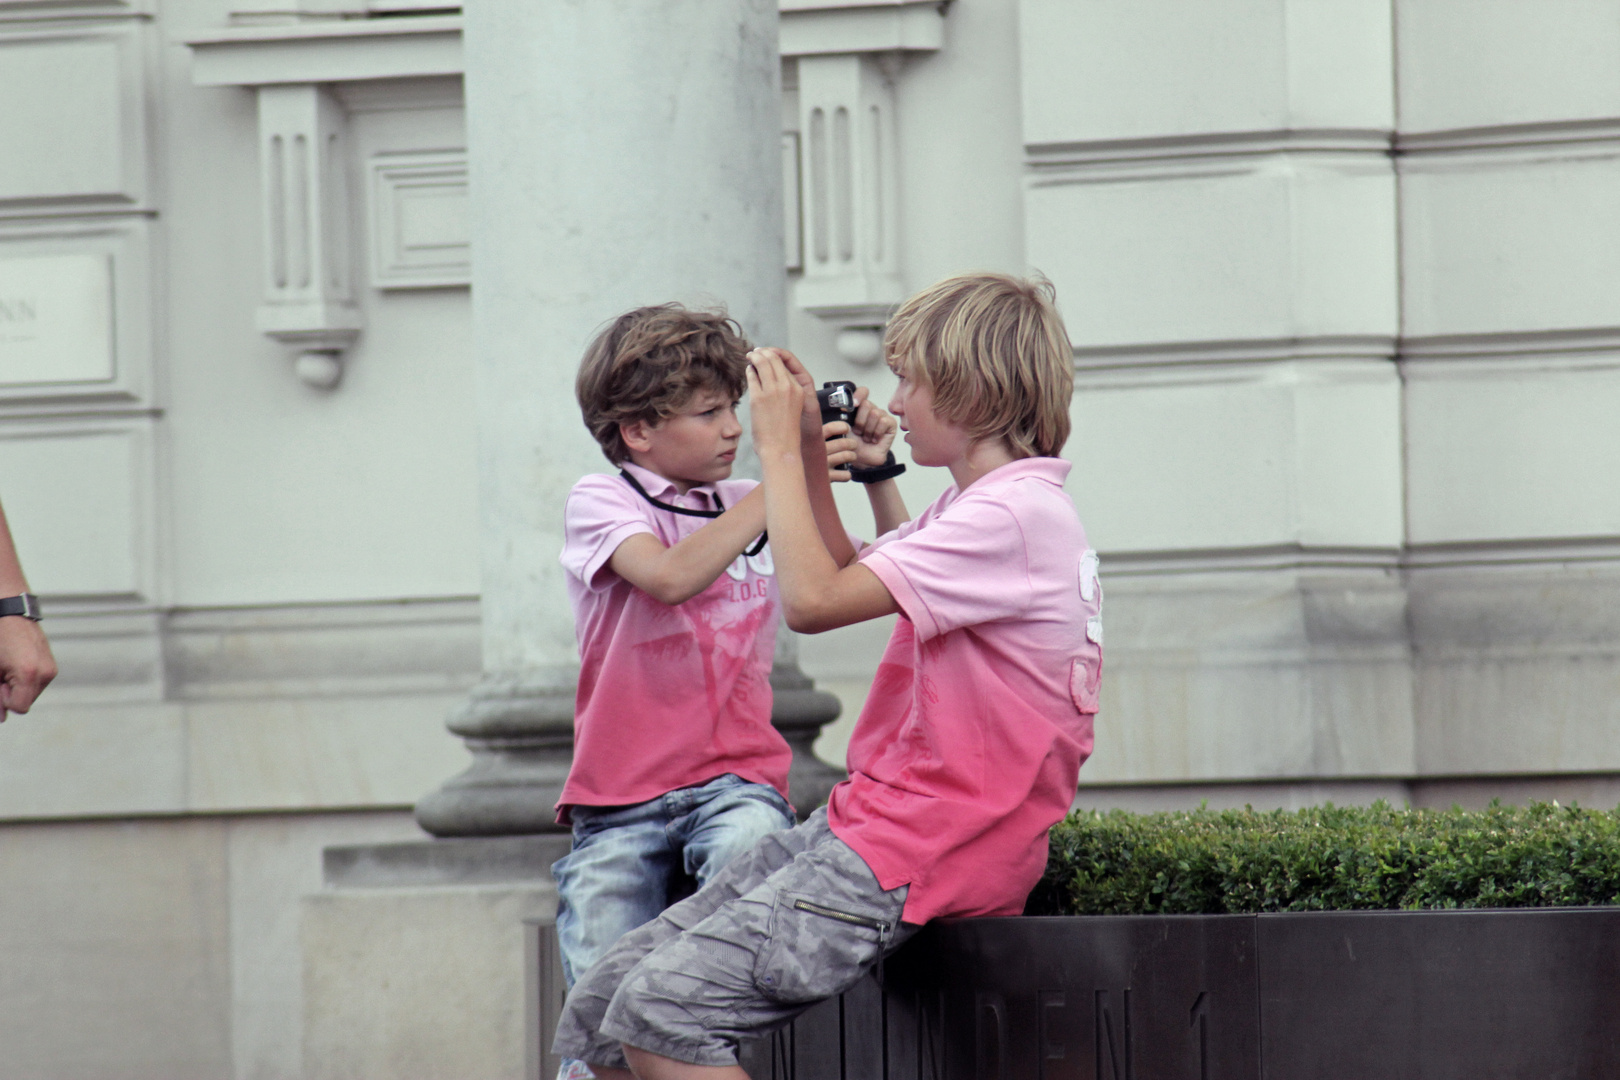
26,663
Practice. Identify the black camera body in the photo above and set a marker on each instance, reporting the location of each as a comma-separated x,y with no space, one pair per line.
837,401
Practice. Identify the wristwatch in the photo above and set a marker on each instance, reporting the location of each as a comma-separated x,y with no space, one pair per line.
26,605
886,471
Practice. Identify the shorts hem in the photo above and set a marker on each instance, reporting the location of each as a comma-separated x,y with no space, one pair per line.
587,1053
670,1048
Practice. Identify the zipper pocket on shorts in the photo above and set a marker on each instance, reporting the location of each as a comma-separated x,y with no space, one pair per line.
841,916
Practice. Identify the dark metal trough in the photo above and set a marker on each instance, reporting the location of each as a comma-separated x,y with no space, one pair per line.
1462,995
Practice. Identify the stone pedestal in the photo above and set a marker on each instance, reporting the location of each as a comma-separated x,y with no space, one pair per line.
429,960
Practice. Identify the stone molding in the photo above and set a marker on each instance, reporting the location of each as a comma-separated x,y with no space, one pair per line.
1554,135
1588,346
1072,161
350,50
1410,558
115,651
1551,551
34,10
1235,357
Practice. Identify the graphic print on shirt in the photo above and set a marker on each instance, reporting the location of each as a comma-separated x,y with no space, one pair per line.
761,564
668,696
722,638
1085,673
726,639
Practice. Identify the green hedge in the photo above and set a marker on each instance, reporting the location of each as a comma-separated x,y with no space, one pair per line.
1329,859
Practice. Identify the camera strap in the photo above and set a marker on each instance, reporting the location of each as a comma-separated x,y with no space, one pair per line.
759,545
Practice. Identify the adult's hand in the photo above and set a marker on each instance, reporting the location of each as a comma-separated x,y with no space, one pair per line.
26,664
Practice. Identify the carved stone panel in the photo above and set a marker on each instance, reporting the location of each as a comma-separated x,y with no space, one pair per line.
71,127
75,312
419,232
56,320
77,498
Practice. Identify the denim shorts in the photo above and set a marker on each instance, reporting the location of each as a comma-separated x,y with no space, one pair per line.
629,862
796,920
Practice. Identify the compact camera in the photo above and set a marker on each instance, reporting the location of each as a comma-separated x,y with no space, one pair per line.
837,401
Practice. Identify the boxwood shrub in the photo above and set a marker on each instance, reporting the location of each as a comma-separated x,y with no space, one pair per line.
1329,859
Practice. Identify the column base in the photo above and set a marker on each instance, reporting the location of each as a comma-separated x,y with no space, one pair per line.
799,711
522,741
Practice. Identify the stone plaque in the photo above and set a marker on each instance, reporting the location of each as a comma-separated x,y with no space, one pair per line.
56,320
420,231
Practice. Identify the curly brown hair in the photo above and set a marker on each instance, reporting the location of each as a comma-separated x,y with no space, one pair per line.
649,364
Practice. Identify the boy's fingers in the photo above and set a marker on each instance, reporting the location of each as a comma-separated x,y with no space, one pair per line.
759,366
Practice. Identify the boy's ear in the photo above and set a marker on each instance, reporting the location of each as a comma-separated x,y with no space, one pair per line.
635,434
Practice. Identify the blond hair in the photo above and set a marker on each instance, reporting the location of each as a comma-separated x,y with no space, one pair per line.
650,363
993,350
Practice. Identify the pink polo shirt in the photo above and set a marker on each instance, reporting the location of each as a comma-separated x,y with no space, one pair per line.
669,696
970,744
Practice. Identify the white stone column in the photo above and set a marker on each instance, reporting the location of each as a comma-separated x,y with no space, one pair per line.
622,152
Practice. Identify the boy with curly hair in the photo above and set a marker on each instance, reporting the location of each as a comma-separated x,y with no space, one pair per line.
676,768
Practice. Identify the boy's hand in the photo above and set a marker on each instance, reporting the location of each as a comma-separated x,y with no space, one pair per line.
865,442
777,402
810,422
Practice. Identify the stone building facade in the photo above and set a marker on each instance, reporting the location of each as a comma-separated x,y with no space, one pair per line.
283,457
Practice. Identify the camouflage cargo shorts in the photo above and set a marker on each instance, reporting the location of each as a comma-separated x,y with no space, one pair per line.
797,919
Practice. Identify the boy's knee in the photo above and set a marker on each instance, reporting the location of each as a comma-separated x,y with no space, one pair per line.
736,833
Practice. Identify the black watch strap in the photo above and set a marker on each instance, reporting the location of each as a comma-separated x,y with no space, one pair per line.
26,605
886,471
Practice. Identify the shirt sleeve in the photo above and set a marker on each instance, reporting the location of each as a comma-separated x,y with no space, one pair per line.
967,566
596,521
906,528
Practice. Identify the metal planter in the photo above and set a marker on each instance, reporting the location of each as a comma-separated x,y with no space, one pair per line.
1526,994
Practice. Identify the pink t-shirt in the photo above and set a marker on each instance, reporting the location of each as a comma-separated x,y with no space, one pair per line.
669,696
970,744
